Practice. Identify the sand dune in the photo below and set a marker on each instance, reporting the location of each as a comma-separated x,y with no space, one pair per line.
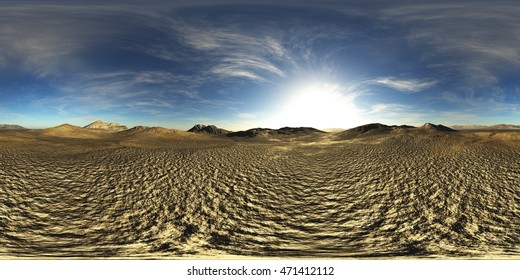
402,193
71,131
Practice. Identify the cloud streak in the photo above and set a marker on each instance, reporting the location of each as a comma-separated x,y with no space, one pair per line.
404,85
233,52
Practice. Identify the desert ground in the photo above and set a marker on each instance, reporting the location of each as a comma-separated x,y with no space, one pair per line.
70,192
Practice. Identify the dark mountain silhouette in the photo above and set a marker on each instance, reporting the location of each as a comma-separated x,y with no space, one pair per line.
370,129
298,130
253,132
208,129
284,131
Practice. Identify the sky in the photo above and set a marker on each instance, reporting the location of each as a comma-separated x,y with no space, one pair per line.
244,64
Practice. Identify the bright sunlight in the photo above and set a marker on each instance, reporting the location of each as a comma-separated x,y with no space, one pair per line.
319,105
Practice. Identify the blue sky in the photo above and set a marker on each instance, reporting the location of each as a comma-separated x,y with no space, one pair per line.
244,64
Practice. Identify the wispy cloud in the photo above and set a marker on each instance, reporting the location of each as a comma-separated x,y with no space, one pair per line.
493,100
233,52
388,107
246,116
404,85
45,39
470,44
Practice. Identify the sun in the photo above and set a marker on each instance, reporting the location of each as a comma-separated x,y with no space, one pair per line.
319,105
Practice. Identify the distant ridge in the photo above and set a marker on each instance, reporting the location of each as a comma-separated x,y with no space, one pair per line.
287,131
146,130
106,126
504,126
208,129
467,127
11,127
484,127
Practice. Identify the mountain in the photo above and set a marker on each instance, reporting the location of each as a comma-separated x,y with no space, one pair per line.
298,130
370,129
11,127
253,132
208,129
284,131
64,128
70,131
439,127
106,126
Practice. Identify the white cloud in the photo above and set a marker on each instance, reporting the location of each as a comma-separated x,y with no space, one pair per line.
388,107
236,71
404,85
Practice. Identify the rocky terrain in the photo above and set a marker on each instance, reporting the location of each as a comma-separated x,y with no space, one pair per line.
387,192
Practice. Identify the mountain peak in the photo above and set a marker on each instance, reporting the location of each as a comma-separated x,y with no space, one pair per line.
106,126
438,127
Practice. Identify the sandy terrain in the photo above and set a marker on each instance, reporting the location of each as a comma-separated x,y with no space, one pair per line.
404,193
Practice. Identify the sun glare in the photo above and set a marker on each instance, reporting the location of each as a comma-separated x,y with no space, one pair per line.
319,105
